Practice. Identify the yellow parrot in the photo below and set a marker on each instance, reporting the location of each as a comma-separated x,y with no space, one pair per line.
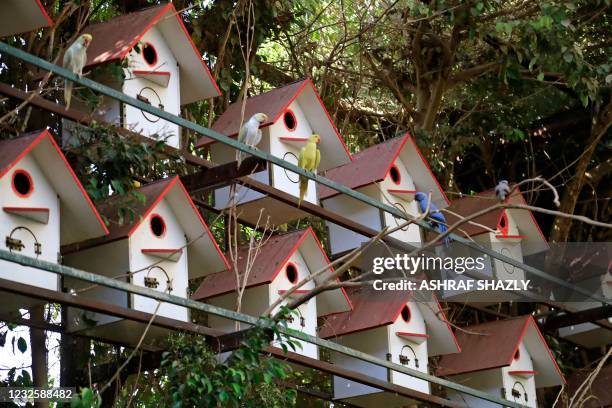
309,159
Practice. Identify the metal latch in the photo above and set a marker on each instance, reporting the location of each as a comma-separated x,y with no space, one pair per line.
151,282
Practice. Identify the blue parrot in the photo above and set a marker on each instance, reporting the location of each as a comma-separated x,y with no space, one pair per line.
436,218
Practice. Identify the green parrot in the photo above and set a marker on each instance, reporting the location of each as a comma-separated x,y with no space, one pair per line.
309,159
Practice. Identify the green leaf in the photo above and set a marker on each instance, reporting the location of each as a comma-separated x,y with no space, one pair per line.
22,345
541,76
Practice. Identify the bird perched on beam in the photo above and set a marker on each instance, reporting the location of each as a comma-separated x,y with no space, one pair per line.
436,219
250,133
502,189
309,159
74,60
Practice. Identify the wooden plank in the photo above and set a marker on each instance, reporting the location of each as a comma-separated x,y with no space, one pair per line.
221,175
570,319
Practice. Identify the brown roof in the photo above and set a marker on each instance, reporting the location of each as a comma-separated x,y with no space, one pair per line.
370,309
152,192
11,149
368,166
113,39
471,204
272,103
495,348
271,258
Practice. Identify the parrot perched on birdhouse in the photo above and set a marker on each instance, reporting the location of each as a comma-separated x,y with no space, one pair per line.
74,60
436,219
250,133
309,159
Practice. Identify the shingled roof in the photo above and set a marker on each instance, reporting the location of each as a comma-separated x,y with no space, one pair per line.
115,38
497,346
373,309
273,255
372,165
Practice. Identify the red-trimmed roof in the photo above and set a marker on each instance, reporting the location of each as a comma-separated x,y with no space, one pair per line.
468,205
370,309
272,256
43,146
372,165
115,38
368,166
497,346
184,209
274,103
20,16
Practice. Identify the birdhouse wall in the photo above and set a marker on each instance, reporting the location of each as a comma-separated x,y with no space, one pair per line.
373,342
510,248
510,381
110,260
289,150
489,381
221,154
168,96
41,195
342,239
410,234
254,302
401,345
172,238
307,310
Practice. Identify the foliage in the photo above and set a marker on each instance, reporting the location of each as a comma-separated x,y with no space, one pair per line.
194,376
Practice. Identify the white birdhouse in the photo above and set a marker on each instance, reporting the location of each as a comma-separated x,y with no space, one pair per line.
161,67
389,172
43,206
510,359
21,16
294,112
391,325
511,232
282,261
164,244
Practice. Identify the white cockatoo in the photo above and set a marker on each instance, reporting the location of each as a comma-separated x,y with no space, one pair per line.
74,60
250,133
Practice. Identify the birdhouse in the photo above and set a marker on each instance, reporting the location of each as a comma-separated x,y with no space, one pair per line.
512,232
294,113
392,325
161,245
43,206
155,61
507,358
593,273
282,261
21,16
390,172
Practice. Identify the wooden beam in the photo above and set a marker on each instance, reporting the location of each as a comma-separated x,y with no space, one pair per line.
221,175
103,307
569,319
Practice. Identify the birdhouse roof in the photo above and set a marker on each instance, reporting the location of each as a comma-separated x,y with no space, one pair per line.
79,218
372,165
272,256
202,249
534,240
115,38
372,308
21,16
496,348
274,103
